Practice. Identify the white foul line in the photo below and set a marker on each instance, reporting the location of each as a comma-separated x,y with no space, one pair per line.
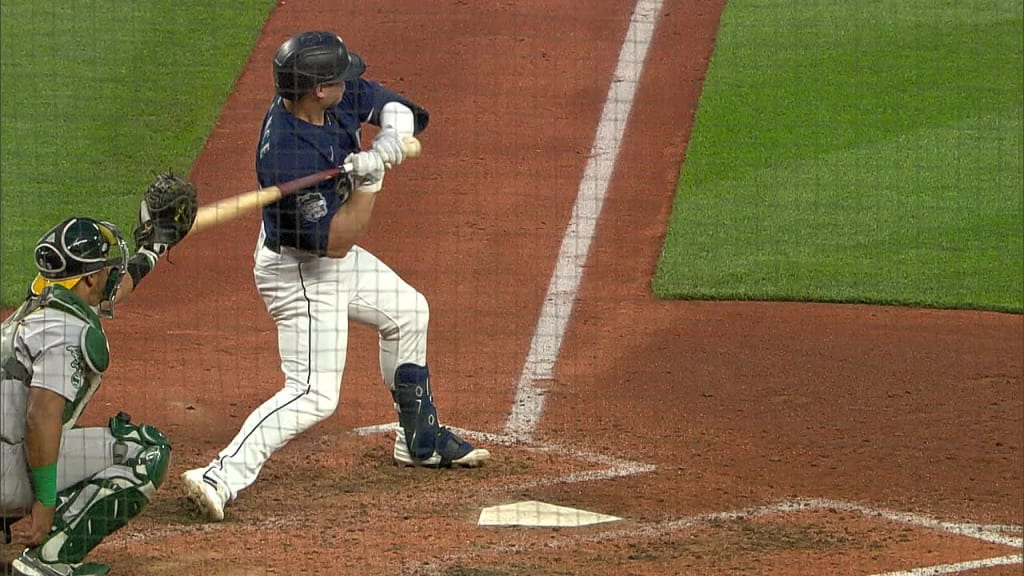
609,466
990,534
959,566
993,533
565,280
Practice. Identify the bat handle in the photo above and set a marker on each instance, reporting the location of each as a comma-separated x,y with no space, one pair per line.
411,146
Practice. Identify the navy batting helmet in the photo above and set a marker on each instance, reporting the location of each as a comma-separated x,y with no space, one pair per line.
311,58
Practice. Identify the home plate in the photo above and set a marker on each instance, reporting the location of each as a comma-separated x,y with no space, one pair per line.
533,513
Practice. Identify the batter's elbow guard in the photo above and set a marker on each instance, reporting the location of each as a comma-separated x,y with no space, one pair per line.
384,96
422,118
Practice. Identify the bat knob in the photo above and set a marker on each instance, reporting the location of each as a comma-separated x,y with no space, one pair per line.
411,146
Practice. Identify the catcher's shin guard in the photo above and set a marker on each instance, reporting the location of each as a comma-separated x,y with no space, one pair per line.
92,510
416,412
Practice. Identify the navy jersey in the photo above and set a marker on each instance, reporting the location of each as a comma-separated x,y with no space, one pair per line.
290,148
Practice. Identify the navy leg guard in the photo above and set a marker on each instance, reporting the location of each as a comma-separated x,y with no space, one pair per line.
416,412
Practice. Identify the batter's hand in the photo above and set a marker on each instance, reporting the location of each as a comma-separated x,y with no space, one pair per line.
389,145
367,171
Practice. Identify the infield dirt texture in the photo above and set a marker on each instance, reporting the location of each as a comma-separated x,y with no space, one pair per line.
732,438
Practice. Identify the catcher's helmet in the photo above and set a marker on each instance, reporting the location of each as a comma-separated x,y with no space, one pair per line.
78,247
311,58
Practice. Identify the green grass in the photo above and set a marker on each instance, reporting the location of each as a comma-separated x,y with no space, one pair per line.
867,151
96,97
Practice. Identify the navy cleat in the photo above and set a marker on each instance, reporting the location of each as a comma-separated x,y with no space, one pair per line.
421,440
449,451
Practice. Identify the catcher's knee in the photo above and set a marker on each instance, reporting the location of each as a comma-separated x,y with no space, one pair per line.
152,463
144,448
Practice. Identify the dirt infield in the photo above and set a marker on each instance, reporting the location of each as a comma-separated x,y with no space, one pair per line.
731,438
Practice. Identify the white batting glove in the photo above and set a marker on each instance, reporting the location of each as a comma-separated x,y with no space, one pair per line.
389,145
367,171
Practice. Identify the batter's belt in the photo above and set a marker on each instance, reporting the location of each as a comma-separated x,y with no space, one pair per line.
272,246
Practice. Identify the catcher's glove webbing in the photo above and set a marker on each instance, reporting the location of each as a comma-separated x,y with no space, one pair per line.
166,214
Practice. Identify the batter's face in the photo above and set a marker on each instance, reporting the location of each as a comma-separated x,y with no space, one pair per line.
331,93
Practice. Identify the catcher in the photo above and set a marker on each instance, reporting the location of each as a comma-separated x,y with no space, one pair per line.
77,485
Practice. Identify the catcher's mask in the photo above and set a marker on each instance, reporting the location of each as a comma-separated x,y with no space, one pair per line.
309,59
76,248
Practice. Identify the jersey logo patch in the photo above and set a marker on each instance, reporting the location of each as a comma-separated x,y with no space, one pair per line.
312,206
77,365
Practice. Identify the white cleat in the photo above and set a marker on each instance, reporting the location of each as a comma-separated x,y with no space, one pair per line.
206,493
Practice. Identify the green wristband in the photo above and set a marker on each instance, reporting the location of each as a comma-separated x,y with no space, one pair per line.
44,481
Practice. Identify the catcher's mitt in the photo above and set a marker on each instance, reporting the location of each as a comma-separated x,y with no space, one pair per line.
166,214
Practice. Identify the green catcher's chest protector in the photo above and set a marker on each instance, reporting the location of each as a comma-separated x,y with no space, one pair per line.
88,346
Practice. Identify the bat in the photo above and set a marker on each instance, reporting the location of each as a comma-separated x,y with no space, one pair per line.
216,213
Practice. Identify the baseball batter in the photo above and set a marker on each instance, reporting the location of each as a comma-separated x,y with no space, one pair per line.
314,278
75,485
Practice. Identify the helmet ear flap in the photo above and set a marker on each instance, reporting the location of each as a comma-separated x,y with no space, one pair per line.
78,247
49,260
